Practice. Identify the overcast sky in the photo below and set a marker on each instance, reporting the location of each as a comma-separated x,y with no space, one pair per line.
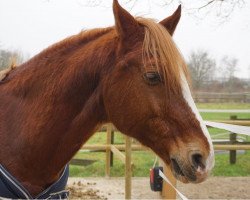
32,25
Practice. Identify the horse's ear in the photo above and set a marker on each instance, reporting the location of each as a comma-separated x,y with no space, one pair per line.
171,22
125,24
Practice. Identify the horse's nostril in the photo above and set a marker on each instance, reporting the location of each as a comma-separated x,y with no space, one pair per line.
197,160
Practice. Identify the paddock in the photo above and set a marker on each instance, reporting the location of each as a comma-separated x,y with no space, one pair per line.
113,188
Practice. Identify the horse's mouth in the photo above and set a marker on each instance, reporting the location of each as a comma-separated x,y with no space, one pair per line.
178,171
177,168
187,174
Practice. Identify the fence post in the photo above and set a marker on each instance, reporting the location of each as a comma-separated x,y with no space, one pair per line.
112,142
232,153
232,137
108,151
128,168
167,191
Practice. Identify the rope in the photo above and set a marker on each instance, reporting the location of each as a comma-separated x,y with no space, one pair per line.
245,130
156,159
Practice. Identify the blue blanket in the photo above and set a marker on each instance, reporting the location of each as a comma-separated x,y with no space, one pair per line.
11,188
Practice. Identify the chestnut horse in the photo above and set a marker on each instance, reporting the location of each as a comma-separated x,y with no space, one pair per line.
131,75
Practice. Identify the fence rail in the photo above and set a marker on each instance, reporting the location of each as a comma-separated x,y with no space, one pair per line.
206,97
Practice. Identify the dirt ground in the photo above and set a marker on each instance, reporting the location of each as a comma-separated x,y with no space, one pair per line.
113,188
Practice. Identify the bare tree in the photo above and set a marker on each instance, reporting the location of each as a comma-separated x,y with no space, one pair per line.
221,9
199,8
229,67
202,68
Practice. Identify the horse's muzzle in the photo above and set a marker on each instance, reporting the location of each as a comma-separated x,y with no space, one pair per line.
191,170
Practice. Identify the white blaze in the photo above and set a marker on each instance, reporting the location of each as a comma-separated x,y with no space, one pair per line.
188,97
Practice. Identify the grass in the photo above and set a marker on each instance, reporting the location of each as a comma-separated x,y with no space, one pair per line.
224,116
241,168
223,106
143,161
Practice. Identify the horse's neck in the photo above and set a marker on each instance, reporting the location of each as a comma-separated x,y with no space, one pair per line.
56,110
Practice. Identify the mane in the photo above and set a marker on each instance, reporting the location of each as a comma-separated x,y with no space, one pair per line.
158,44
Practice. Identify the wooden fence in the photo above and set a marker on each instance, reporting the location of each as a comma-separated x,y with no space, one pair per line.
207,97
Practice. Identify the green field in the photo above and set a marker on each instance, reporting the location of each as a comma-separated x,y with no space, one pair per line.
143,160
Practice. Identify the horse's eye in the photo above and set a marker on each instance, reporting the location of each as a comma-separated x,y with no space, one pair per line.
152,78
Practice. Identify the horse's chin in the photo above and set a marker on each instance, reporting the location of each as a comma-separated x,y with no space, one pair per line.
184,179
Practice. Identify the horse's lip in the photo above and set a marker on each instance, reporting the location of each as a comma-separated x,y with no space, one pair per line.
182,174
177,167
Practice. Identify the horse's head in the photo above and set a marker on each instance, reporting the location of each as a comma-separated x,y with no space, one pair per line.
147,95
